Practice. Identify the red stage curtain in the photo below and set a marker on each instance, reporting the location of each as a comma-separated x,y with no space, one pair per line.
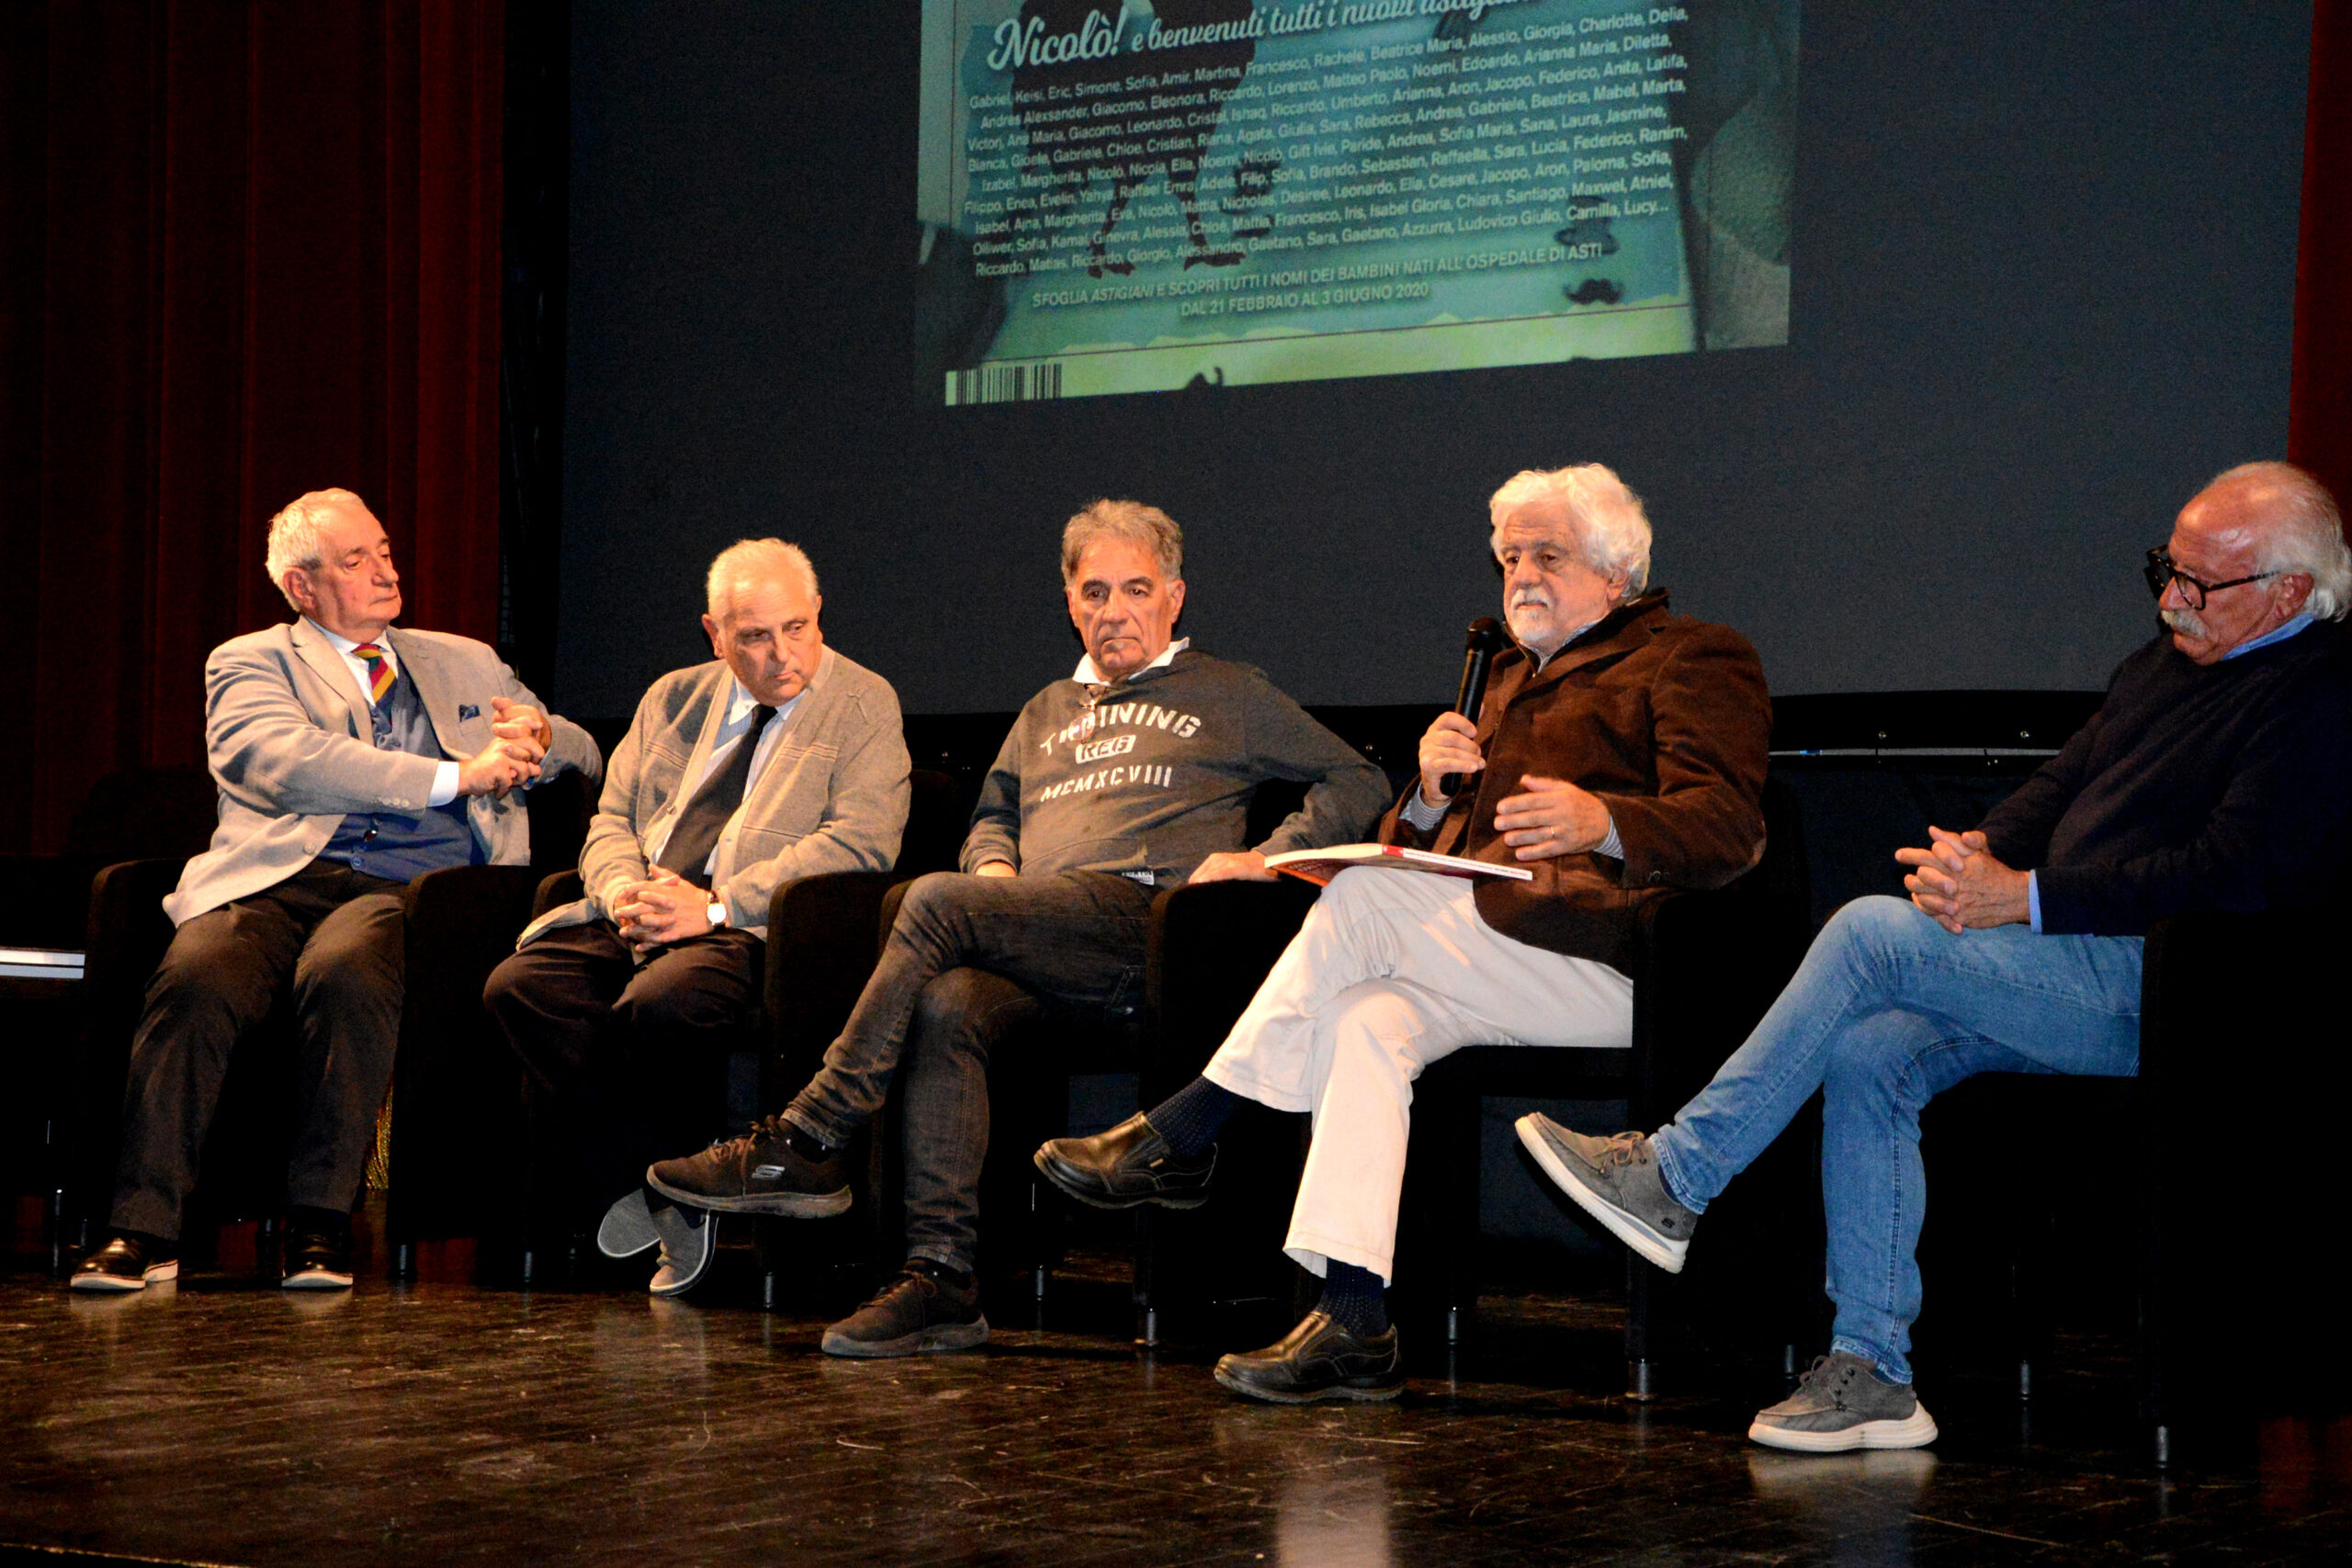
2319,432
250,250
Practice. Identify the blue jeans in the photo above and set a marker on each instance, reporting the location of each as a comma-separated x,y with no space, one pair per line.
1888,1010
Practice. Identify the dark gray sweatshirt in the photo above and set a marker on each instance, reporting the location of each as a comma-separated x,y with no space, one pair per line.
1156,777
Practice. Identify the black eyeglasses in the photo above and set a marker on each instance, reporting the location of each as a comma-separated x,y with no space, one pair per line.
2162,574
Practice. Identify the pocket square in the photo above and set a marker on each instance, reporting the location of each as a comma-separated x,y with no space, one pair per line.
467,711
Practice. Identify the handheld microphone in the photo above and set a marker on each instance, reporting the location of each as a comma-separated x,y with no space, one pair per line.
1486,639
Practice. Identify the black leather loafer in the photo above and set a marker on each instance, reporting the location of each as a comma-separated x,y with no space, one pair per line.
128,1262
1129,1165
1317,1361
317,1260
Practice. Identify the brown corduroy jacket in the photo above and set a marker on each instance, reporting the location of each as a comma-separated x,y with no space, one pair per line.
1668,720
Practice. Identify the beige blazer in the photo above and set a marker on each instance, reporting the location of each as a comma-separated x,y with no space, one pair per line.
832,797
286,734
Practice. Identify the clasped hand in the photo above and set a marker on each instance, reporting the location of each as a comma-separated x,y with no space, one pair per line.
513,760
1552,817
1961,886
662,908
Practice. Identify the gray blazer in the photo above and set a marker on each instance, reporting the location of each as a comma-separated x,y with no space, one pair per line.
832,796
284,728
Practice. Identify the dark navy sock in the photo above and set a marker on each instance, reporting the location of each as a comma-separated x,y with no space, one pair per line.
1192,1117
1354,1299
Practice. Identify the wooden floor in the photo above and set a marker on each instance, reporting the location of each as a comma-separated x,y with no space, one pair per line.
223,1421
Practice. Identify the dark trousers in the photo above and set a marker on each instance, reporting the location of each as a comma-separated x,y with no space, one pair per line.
623,1063
337,936
968,960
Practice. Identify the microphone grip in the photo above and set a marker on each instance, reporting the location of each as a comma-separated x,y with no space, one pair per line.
1468,701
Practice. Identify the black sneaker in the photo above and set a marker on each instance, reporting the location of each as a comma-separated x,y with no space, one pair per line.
318,1258
759,1173
131,1261
1317,1361
925,1308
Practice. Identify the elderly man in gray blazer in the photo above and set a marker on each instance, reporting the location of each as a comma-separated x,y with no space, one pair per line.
352,757
779,759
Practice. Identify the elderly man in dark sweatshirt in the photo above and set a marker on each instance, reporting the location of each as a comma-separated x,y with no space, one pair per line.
1132,775
2216,776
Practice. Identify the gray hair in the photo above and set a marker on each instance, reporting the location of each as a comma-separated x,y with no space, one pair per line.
1146,526
2306,532
294,535
752,559
1611,530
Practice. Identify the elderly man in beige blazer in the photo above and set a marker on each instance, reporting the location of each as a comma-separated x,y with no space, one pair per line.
352,757
779,759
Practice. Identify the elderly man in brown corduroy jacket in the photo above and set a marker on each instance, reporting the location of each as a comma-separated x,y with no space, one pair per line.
1620,753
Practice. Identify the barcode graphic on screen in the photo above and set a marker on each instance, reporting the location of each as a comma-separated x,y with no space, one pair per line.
1004,383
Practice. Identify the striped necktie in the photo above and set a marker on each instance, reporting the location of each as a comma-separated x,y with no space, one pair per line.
379,672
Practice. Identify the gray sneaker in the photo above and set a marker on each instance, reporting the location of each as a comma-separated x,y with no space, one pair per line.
1841,1404
689,1237
1616,1182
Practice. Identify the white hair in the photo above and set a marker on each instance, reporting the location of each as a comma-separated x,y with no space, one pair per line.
753,559
1611,530
2305,532
1147,528
294,534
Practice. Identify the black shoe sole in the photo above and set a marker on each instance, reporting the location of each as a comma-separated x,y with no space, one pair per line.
790,1206
1055,1172
922,1341
1349,1391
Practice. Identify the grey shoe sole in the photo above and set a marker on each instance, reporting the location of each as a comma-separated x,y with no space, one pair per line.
791,1206
628,1227
1349,1392
1667,1253
316,1280
156,1274
1914,1431
938,1336
1057,1173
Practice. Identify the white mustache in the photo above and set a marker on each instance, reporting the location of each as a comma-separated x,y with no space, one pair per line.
2183,620
1529,598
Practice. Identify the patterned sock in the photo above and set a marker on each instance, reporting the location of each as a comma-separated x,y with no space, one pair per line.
1355,1300
1191,1117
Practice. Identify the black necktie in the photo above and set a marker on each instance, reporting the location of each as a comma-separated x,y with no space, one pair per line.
698,826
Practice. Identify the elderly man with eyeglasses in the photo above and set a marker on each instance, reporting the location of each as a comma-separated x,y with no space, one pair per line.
2215,776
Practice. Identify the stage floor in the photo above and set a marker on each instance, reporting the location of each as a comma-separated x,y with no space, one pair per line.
223,1421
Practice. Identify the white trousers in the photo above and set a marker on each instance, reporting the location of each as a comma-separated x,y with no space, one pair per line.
1392,971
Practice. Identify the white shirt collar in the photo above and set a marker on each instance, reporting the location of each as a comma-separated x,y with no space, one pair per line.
739,702
344,645
1087,676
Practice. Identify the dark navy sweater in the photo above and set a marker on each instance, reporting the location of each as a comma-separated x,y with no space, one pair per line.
2224,786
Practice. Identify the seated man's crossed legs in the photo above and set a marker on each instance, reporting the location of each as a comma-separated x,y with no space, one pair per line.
623,1057
1887,1010
1392,971
967,958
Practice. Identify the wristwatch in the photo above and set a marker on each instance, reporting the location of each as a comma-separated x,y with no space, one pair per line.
716,914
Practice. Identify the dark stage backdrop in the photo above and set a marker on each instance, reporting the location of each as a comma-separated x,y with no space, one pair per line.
2044,271
245,250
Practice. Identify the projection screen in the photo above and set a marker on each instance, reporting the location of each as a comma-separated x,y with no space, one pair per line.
1139,196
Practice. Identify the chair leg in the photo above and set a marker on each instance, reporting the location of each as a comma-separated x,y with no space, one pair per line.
1640,1370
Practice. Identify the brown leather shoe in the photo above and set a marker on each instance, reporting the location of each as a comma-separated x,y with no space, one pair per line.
1129,1165
1317,1361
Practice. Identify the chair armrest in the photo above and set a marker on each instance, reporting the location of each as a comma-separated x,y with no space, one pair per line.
1208,949
559,888
821,951
127,934
1703,975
